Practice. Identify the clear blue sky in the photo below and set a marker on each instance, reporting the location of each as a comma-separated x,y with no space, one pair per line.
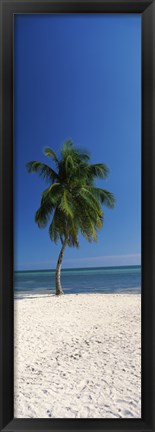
79,77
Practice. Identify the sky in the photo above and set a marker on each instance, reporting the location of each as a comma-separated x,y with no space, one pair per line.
78,77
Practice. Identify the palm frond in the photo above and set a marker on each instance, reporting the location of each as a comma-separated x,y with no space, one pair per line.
50,153
43,170
42,215
73,234
88,219
98,171
67,147
51,194
53,231
69,165
58,229
47,205
65,205
90,199
104,196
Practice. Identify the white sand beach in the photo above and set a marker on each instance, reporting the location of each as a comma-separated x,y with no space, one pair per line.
78,356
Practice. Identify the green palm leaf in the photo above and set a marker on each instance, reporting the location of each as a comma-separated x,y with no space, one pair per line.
98,170
43,170
50,153
65,205
104,196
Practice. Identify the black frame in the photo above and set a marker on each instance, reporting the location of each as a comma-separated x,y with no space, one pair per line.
7,11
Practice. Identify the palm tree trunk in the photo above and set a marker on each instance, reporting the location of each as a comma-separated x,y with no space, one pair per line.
59,289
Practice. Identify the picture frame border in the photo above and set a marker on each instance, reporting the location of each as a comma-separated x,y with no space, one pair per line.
7,11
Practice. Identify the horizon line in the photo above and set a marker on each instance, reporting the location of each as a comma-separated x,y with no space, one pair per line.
77,268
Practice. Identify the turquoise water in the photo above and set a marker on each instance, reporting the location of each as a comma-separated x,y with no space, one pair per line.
85,280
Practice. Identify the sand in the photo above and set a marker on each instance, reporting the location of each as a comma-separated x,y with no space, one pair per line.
78,356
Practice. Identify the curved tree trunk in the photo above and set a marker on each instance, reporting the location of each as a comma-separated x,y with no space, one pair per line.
59,289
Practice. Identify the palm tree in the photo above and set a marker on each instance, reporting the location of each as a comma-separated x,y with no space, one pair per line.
72,202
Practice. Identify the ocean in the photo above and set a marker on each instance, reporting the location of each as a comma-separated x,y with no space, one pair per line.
83,280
